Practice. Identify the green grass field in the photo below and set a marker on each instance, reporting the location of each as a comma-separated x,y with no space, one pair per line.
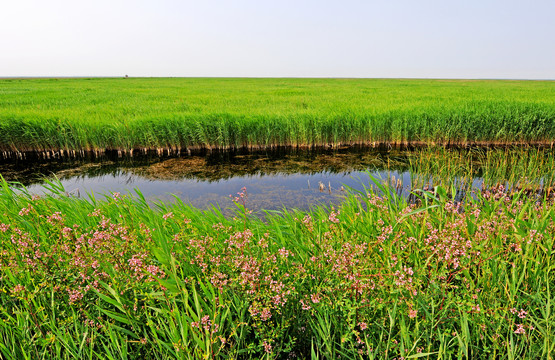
190,113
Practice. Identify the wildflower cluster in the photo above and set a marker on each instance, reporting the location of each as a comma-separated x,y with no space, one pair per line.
326,280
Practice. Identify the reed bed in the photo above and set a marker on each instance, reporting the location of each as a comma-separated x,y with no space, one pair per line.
78,117
375,278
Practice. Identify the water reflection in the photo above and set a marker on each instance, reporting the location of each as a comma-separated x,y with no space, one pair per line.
273,181
290,179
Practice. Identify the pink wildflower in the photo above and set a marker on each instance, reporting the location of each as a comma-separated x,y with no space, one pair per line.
54,218
25,211
305,306
333,217
266,314
267,347
284,253
315,298
75,296
520,329
18,289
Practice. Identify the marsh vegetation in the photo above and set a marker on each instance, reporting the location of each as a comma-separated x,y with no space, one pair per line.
88,117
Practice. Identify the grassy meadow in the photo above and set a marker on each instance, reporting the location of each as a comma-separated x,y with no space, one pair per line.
376,278
100,114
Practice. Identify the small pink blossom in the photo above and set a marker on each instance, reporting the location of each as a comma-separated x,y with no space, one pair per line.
25,211
305,306
284,253
520,329
315,298
333,217
54,218
267,347
18,289
266,314
95,213
75,296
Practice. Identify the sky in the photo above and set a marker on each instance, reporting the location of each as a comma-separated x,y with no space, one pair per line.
282,38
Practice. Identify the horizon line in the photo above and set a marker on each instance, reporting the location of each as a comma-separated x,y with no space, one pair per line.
264,77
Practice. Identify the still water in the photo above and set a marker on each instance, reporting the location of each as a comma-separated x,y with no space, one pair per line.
273,181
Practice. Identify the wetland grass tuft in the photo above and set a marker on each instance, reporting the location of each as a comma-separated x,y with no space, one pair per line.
516,168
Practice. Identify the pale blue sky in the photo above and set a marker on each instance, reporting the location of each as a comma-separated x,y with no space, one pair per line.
393,38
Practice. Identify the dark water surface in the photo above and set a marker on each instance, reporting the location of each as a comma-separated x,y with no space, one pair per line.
273,181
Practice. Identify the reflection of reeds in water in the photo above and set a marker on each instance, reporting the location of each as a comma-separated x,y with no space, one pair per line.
214,168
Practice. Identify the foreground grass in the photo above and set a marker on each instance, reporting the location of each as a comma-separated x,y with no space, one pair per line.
375,278
125,114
